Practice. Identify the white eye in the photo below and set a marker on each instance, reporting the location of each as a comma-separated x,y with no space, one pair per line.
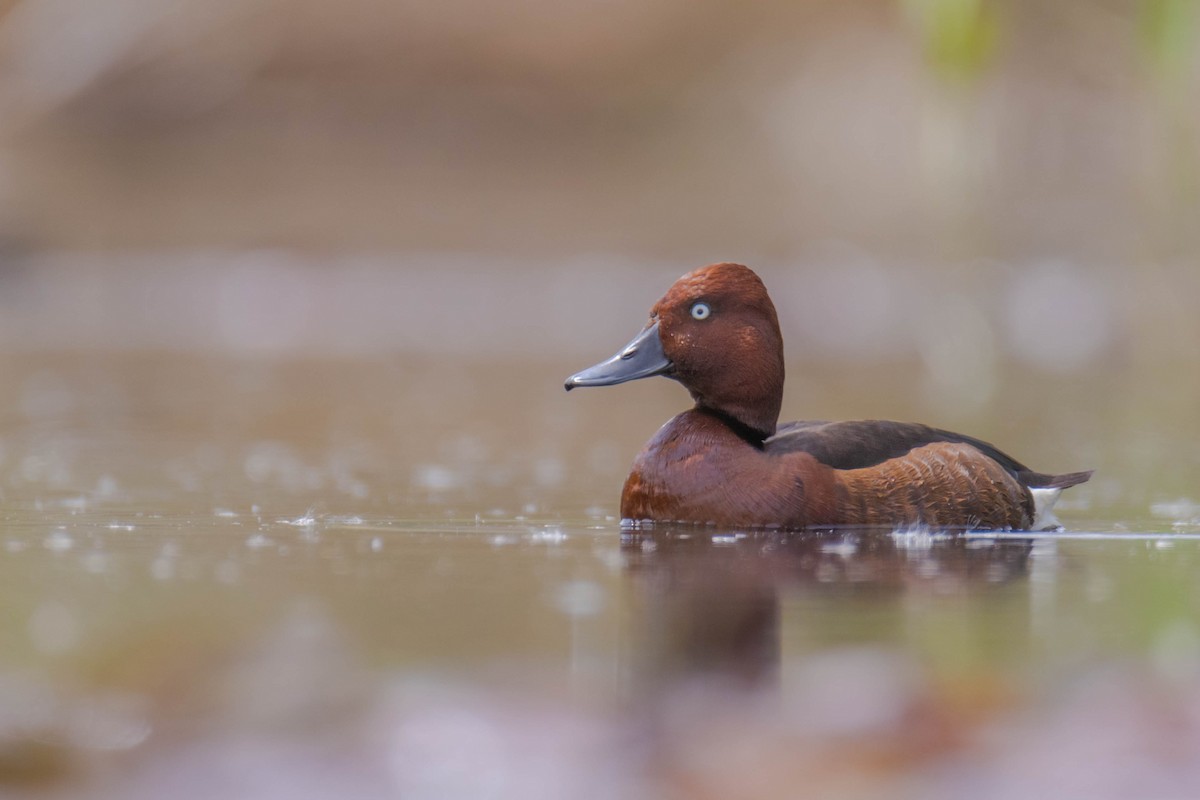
701,311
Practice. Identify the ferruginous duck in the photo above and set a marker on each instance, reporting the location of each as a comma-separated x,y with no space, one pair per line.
726,461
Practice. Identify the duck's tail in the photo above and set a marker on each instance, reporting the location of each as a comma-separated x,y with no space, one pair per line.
1040,480
1045,490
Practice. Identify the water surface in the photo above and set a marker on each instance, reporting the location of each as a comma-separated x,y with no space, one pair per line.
406,579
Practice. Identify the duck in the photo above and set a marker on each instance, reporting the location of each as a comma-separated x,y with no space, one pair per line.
728,462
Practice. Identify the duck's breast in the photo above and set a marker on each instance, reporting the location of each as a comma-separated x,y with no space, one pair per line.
698,470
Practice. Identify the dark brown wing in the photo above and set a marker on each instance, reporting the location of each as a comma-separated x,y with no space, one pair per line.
866,443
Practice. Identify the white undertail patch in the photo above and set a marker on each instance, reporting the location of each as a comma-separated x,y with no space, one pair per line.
1043,509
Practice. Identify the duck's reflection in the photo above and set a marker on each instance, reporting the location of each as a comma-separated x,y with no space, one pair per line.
710,603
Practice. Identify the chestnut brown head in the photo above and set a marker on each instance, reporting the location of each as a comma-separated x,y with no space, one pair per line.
716,332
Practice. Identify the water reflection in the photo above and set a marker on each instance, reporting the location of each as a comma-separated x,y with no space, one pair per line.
710,604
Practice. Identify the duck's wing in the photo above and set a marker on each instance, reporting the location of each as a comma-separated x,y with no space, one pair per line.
865,443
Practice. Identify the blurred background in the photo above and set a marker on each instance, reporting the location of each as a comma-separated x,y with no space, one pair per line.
1028,171
938,192
292,503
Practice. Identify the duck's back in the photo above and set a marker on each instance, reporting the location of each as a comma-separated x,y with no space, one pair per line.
908,473
866,443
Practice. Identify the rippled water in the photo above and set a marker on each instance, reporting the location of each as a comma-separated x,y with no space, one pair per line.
406,579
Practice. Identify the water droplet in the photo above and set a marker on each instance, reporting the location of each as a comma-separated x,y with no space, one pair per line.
58,541
841,547
1181,510
915,538
548,536
257,541
610,557
435,478
580,598
227,572
162,569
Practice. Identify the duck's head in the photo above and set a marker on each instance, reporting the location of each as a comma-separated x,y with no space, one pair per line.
716,332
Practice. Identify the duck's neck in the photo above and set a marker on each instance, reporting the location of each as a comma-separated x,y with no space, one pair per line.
749,434
751,408
743,380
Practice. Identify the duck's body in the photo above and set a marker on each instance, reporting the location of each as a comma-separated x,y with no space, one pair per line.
725,461
817,474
